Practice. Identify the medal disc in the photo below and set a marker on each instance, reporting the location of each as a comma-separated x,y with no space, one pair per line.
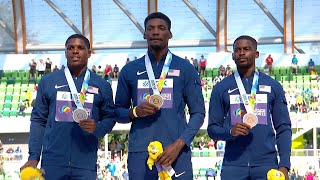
250,119
156,99
79,114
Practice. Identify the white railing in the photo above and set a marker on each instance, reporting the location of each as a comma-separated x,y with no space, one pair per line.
219,153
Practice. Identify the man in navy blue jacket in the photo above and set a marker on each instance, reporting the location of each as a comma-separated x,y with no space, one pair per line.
72,110
158,87
246,109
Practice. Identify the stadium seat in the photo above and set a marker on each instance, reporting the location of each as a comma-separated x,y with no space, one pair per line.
276,70
195,154
283,71
302,70
202,172
22,73
13,113
6,112
215,72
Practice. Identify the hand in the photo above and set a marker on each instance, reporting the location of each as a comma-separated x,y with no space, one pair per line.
170,153
88,125
285,172
32,163
240,129
146,109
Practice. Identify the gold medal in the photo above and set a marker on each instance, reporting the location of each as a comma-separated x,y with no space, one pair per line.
79,114
250,119
156,100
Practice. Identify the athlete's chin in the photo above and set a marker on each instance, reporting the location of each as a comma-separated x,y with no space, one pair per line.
156,47
242,66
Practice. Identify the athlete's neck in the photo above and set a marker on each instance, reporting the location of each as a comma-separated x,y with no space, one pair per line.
76,71
246,72
158,53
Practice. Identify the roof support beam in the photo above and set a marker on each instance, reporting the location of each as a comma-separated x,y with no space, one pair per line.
276,23
130,16
6,28
222,34
152,6
202,19
63,16
87,19
19,26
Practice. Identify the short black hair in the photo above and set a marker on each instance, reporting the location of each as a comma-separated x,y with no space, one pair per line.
157,15
80,36
254,42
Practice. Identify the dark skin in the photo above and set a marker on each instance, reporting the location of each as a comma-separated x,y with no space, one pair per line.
244,56
157,35
77,54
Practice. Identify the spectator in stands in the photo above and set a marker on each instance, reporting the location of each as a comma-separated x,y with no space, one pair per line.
313,75
99,71
107,72
294,65
115,71
41,68
124,159
94,69
216,80
10,152
211,144
112,168
1,147
62,66
202,144
228,70
63,136
48,66
34,95
152,121
119,148
33,66
21,110
203,65
127,61
28,98
195,63
55,68
266,69
222,71
250,138
269,62
203,83
311,66
190,61
18,154
113,148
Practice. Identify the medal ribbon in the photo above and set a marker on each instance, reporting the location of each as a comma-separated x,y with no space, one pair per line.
249,103
80,98
157,88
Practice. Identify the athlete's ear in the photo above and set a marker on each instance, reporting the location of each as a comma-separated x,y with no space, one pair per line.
144,35
232,56
170,35
257,54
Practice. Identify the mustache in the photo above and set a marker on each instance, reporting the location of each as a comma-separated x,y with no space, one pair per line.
156,39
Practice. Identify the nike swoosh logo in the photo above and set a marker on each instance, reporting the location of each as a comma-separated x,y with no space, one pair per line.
230,91
177,175
57,87
139,73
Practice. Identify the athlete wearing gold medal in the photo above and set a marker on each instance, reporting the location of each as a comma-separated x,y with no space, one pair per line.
152,94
